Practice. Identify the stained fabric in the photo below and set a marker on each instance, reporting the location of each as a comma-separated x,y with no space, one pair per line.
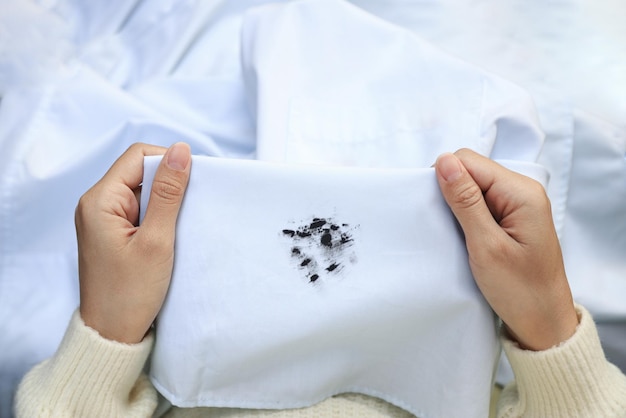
293,283
82,81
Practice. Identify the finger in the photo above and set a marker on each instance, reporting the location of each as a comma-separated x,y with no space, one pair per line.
503,190
168,188
464,197
137,200
128,168
484,171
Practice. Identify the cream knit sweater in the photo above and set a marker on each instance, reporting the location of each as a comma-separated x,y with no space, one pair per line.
90,376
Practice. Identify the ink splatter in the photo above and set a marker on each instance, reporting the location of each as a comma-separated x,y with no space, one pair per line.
321,247
332,267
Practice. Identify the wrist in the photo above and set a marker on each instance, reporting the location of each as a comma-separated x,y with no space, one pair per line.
114,327
541,331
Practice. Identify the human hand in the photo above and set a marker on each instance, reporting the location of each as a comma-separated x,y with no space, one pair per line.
125,269
514,252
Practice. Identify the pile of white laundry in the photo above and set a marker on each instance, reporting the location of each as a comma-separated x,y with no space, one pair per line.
369,84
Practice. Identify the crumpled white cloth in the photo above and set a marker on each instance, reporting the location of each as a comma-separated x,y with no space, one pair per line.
271,319
293,283
333,84
81,81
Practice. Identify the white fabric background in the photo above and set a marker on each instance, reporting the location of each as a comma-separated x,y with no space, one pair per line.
80,81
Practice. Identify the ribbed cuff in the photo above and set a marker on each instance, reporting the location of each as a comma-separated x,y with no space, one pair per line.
572,379
91,376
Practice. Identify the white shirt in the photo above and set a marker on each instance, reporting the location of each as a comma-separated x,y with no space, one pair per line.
109,73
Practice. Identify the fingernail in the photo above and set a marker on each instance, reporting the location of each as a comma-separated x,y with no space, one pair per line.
449,167
178,156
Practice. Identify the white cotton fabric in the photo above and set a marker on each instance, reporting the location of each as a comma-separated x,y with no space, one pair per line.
80,81
257,331
334,84
596,218
257,317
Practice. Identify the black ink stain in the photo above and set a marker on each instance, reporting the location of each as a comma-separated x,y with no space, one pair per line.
345,239
327,240
317,223
332,267
321,242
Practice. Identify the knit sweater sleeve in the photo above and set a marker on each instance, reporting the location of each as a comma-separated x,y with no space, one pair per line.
89,376
571,380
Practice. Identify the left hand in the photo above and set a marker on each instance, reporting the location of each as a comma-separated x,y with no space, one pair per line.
514,252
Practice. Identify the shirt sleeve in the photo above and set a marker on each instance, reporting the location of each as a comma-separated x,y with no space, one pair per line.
570,380
89,376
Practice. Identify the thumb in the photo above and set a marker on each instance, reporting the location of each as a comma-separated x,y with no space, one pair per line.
465,198
168,188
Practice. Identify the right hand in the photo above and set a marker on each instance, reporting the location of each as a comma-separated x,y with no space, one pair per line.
514,252
125,269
